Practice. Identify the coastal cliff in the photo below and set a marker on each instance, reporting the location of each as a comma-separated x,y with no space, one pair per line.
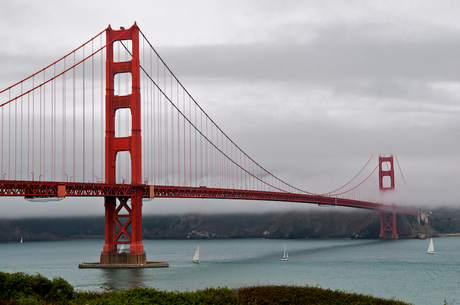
331,224
328,223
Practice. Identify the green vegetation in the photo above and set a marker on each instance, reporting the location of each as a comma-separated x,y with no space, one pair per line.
20,288
446,221
34,289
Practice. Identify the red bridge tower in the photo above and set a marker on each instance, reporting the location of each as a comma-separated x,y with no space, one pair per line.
387,218
129,224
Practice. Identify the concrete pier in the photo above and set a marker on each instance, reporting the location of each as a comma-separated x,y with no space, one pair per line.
114,265
124,260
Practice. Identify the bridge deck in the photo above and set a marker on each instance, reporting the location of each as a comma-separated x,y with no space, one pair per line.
54,190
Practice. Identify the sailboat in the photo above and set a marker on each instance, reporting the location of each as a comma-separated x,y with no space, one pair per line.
431,247
196,258
122,249
285,255
21,241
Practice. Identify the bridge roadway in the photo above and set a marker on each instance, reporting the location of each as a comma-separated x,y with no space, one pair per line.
54,190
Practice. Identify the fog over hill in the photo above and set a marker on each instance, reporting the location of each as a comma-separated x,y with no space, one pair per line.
325,223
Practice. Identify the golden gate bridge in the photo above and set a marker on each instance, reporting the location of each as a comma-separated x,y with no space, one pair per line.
110,119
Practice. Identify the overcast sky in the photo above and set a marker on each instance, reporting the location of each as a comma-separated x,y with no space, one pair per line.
309,89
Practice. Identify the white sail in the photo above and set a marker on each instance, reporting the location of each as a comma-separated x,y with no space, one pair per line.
431,247
122,249
285,254
196,258
21,240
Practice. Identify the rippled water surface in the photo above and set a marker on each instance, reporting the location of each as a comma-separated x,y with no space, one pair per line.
399,269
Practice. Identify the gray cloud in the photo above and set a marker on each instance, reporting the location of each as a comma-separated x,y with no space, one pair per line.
331,59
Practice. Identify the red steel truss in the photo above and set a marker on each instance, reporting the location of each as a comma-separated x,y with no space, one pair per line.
388,225
38,190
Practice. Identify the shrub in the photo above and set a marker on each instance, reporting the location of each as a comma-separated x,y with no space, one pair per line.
304,295
61,290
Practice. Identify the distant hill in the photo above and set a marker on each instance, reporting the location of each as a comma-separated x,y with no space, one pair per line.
316,224
446,220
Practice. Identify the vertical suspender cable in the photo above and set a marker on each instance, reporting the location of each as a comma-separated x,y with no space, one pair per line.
55,99
53,127
28,136
166,128
33,130
153,125
20,140
73,123
154,168
40,135
178,137
2,177
102,116
172,136
160,131
212,170
185,147
92,111
196,152
149,99
44,126
8,148
15,137
83,119
201,148
190,139
64,119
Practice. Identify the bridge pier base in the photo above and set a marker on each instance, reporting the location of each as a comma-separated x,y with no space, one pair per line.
123,221
388,225
123,258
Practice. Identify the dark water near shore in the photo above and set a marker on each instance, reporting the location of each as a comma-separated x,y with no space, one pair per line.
399,269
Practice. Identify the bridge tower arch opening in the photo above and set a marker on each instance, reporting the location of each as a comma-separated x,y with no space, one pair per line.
387,184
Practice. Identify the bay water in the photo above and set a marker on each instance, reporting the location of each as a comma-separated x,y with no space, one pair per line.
399,269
